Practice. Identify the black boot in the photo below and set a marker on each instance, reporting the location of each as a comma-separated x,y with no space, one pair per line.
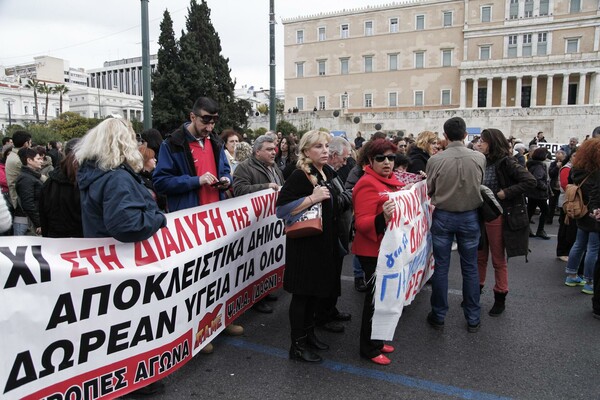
499,304
299,352
542,235
359,285
313,341
480,289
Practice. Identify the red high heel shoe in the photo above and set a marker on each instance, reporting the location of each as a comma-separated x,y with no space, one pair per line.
381,360
387,348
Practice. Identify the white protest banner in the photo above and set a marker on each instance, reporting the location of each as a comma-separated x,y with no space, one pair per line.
96,318
405,259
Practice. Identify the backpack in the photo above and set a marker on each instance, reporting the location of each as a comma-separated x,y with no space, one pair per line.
574,207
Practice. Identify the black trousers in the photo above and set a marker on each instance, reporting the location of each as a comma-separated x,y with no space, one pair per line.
552,204
326,308
302,315
368,348
596,297
543,205
566,235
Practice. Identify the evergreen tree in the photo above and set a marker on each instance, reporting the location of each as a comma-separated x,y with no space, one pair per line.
204,71
170,104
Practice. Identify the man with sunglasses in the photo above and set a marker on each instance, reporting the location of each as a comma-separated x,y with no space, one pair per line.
192,168
454,177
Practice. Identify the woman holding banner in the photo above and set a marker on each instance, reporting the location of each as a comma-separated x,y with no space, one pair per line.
509,180
372,211
310,272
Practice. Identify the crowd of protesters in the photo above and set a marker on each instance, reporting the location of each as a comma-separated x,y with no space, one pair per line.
114,183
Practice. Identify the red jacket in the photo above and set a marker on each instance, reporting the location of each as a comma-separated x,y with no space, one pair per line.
368,197
3,183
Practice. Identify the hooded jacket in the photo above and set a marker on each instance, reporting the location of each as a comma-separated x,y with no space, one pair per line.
115,203
539,171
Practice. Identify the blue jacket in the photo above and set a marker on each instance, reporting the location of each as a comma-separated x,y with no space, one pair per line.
175,174
116,204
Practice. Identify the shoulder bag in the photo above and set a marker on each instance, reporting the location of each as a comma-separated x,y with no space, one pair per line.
309,223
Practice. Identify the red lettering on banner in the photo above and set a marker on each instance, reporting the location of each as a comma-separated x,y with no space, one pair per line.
264,206
169,242
182,235
208,326
215,228
239,218
142,248
82,260
192,223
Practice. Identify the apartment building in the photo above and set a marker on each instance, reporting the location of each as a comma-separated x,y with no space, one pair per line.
124,75
443,55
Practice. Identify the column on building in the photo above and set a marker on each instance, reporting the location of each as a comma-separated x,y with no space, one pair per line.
488,100
518,90
549,87
503,92
581,89
595,84
463,92
533,99
565,90
475,90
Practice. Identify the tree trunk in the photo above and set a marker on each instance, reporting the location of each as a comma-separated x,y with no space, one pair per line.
46,109
37,113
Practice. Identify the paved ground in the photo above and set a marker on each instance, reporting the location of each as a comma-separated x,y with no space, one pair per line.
545,346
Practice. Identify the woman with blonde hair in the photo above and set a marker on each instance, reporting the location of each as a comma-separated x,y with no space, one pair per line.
424,147
114,201
311,272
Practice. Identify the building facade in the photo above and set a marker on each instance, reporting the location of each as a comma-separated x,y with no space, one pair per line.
123,75
447,55
48,69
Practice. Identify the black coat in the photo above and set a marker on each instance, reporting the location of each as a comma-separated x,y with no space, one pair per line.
514,180
29,189
312,262
539,171
60,209
418,160
589,187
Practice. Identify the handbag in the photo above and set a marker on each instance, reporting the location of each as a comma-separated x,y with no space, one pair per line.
309,223
491,208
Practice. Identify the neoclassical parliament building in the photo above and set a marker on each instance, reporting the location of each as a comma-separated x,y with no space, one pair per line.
518,65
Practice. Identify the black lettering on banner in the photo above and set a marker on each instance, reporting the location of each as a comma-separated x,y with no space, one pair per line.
20,270
90,341
106,386
93,385
67,361
63,311
116,335
174,284
143,332
22,361
153,288
141,372
121,304
73,393
86,301
120,375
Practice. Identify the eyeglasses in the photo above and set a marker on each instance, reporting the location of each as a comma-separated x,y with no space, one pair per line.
382,157
207,119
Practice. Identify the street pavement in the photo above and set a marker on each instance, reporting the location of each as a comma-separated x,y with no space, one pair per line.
546,345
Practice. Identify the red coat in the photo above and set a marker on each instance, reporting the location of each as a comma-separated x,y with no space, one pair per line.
368,197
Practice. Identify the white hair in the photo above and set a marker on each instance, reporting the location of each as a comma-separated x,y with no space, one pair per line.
110,144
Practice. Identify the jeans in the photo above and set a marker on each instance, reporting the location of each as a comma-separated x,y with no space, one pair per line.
495,245
20,229
358,272
588,243
465,226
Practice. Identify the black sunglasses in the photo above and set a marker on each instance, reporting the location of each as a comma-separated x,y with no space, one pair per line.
381,157
207,119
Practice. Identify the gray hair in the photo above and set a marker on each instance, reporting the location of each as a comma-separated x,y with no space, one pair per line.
338,145
262,139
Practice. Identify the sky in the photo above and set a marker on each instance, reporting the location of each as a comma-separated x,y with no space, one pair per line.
87,33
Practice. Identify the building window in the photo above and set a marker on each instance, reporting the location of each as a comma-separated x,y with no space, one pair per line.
446,58
418,97
344,66
527,45
299,37
321,102
344,100
528,8
446,96
572,45
321,67
420,22
368,63
486,13
299,70
542,43
484,52
57,111
512,46
420,59
368,28
514,9
322,34
544,6
447,18
300,103
575,6
393,25
26,109
345,31
393,99
393,62
368,100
